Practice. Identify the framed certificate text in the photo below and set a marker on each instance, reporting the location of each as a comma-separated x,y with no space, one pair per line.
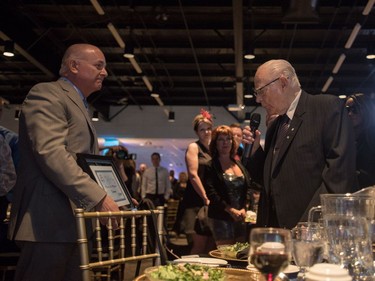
103,170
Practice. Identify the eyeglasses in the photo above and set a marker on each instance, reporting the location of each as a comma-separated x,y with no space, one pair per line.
259,91
352,109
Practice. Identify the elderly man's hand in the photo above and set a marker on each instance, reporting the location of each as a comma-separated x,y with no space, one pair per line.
249,138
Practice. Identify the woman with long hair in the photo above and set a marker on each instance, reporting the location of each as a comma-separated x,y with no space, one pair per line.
227,184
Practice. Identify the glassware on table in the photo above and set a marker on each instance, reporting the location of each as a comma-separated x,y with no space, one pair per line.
308,245
350,245
357,205
270,250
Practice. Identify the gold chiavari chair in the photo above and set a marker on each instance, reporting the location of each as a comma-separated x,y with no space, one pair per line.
104,250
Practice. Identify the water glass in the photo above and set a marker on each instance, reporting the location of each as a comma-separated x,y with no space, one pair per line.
308,245
350,244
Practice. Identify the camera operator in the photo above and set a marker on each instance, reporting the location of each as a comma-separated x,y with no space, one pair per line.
125,164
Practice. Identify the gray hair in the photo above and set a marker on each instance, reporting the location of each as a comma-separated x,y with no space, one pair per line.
282,67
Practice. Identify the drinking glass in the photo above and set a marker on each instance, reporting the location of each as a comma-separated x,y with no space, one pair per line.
350,245
308,245
270,250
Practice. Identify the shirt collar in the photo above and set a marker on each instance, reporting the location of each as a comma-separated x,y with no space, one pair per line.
293,106
78,91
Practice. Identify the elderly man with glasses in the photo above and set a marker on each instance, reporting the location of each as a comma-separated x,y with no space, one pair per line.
309,148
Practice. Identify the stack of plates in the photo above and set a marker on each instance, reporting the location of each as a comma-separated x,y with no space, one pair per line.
203,261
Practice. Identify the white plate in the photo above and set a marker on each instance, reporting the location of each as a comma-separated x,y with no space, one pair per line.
205,261
290,269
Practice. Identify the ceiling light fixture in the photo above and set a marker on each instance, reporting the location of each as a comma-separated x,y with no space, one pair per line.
116,35
327,84
248,96
301,12
339,64
95,116
97,7
171,116
135,65
155,91
147,83
8,48
129,50
370,53
368,8
352,36
235,107
249,54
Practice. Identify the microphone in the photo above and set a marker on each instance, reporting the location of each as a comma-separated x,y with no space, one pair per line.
254,125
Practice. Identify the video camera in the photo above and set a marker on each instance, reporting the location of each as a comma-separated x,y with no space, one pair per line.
124,155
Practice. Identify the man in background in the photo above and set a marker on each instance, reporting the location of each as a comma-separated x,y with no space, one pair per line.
237,134
9,162
172,179
156,185
54,125
309,148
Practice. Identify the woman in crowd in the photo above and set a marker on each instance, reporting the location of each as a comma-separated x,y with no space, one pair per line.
361,111
197,154
180,187
227,184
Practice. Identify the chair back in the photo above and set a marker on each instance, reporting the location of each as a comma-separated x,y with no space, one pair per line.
104,249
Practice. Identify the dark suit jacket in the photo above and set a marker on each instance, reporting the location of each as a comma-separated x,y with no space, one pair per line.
54,125
217,192
317,157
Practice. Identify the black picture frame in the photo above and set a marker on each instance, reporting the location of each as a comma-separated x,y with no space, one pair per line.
103,170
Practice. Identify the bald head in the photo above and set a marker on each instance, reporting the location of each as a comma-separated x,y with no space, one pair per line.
84,65
277,68
276,85
76,51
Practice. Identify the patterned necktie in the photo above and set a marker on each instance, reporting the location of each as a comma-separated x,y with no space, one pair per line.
156,181
85,103
282,131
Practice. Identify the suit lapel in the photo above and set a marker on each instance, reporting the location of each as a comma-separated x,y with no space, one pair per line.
292,131
268,148
75,97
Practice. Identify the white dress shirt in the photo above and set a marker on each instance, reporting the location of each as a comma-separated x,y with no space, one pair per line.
149,182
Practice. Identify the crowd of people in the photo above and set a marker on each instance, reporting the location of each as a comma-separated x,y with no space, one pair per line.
314,144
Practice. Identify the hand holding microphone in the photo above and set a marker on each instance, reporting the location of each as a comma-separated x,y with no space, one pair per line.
254,125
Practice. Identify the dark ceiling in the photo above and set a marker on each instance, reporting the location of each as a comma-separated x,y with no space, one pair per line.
190,51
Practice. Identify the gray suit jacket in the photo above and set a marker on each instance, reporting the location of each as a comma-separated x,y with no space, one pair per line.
317,157
54,125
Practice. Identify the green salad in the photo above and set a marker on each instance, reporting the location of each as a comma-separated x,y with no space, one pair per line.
232,250
186,272
239,246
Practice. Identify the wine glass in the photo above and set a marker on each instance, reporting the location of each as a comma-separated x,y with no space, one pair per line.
270,250
308,245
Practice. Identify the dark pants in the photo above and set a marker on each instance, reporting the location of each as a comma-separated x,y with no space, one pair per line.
48,261
157,199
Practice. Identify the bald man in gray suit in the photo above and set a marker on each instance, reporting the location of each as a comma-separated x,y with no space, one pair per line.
54,125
